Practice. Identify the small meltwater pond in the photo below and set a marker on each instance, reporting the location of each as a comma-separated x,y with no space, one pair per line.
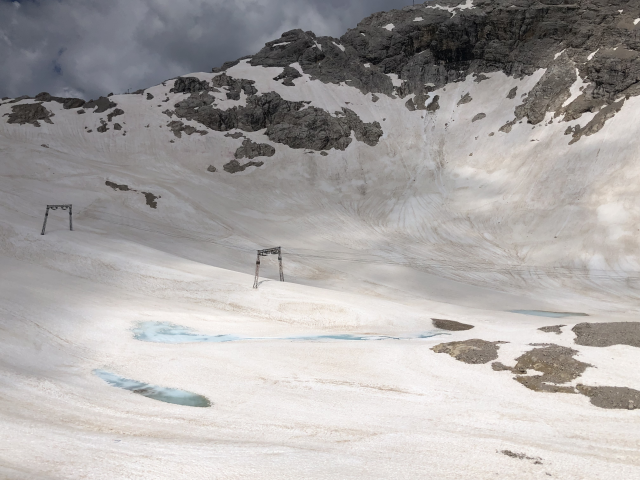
543,313
163,394
164,332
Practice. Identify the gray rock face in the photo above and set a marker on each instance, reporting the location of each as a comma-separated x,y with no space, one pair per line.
550,92
188,85
434,105
286,122
234,86
101,105
67,103
516,37
30,113
288,75
116,112
322,58
251,150
417,103
177,127
234,166
479,116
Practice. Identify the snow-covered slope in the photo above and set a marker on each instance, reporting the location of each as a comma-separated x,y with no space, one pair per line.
395,202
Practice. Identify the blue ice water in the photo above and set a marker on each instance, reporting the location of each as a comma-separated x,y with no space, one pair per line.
164,332
168,395
542,313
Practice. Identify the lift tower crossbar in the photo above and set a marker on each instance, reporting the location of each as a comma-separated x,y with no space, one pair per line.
56,207
264,253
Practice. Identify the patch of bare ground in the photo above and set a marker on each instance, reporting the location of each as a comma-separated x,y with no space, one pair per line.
522,456
612,397
557,329
450,325
607,334
473,351
556,365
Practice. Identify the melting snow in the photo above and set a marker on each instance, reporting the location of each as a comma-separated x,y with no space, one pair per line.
576,89
163,394
418,19
339,46
467,5
558,54
395,79
389,27
590,57
280,44
636,21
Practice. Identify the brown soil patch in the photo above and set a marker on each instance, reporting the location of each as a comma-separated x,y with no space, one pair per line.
612,397
556,364
473,351
607,334
450,325
553,329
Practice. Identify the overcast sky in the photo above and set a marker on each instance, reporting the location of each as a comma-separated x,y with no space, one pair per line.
88,48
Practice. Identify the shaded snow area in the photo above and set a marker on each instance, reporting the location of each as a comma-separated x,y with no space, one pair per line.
460,260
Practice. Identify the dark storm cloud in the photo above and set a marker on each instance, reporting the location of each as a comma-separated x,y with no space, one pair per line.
91,47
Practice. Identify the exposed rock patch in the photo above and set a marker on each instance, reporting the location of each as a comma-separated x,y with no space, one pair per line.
235,166
417,103
556,364
434,105
612,397
234,86
319,58
177,127
150,198
466,98
506,128
470,351
101,105
115,186
149,96
251,150
116,112
479,116
286,122
557,329
67,103
550,92
522,456
451,325
607,334
596,124
188,85
212,169
235,135
288,75
512,93
29,113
